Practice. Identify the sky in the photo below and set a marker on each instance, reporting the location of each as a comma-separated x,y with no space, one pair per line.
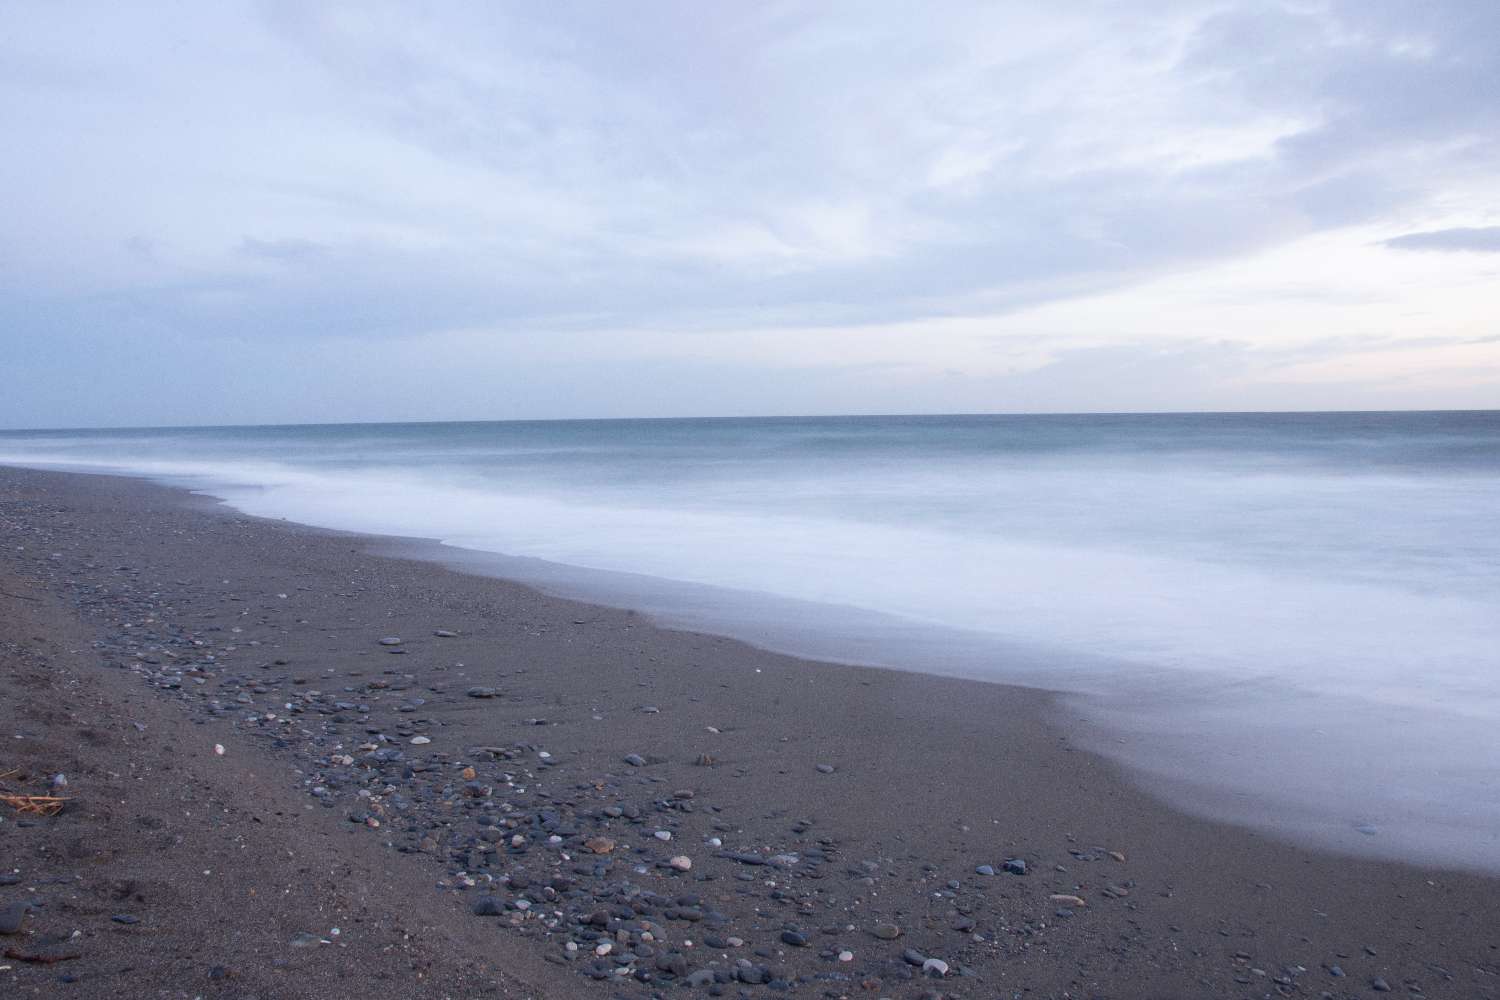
286,212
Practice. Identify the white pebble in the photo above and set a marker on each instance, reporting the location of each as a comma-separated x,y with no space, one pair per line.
846,956
682,862
218,752
663,834
418,741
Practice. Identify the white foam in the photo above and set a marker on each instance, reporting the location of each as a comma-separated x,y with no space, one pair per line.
1328,704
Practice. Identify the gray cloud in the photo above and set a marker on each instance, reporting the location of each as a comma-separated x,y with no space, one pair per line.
1476,239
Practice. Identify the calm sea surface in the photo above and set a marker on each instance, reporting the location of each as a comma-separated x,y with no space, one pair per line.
1291,620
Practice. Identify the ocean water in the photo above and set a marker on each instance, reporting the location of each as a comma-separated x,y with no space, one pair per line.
1287,620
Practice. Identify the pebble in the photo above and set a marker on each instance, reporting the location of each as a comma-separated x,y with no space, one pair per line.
794,938
125,918
1380,985
663,835
825,768
935,967
391,640
635,760
846,956
12,917
444,633
886,932
483,692
420,741
1015,866
681,862
985,870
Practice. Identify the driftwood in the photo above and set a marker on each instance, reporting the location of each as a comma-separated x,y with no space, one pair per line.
39,959
35,805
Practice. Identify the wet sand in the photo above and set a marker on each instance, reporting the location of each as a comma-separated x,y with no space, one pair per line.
525,765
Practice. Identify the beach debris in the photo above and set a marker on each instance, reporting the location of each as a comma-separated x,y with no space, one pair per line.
34,805
18,956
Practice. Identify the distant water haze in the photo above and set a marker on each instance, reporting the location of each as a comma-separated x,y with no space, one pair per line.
1287,620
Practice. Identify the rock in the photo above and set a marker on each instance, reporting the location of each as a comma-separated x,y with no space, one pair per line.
846,956
750,975
912,956
681,862
663,835
1067,900
701,978
391,640
635,760
599,845
935,967
794,938
825,768
12,917
1380,985
443,633
489,906
985,870
886,932
125,918
302,939
420,741
1015,866
483,692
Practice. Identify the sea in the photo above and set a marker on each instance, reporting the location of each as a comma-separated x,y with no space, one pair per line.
1285,620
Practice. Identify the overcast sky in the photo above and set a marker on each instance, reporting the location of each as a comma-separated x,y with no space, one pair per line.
215,213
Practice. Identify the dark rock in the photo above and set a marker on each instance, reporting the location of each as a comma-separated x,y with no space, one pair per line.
489,906
12,917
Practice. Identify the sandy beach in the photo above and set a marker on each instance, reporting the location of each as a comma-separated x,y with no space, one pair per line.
268,732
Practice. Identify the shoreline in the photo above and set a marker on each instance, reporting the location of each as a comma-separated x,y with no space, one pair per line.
929,779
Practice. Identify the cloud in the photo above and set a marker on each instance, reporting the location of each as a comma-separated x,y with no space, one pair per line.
372,172
1471,239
